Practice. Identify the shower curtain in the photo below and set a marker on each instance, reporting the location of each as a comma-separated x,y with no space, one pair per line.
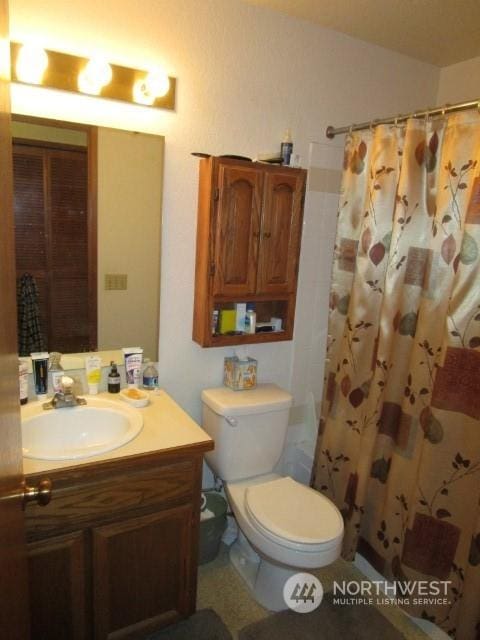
398,449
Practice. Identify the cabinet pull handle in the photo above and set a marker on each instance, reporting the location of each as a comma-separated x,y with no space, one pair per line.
41,494
267,234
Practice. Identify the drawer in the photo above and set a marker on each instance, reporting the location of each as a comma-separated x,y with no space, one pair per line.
88,503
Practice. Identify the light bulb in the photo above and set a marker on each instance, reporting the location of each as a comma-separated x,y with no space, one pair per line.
158,83
96,74
154,85
32,61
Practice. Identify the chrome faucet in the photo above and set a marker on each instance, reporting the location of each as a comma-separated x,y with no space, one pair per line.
65,397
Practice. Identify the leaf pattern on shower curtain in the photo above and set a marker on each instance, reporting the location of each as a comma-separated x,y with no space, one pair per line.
399,437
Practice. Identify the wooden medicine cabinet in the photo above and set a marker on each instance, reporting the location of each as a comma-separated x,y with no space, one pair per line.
248,246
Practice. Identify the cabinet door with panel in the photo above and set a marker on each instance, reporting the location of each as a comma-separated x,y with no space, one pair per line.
58,588
237,230
282,210
141,573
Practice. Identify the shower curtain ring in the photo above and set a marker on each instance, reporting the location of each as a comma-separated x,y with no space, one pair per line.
427,116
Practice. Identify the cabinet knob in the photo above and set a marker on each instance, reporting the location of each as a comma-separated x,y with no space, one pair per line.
267,234
41,494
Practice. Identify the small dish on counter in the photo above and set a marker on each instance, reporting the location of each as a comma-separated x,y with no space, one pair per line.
135,397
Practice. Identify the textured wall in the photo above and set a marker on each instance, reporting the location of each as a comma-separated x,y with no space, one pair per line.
459,82
244,75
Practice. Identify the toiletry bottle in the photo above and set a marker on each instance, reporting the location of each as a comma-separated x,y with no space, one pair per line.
150,377
133,357
56,370
250,318
40,373
215,321
23,381
286,147
113,379
93,369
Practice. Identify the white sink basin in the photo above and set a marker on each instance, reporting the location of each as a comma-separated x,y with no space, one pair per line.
78,432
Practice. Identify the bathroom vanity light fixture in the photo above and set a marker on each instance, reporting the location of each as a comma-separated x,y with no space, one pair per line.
52,69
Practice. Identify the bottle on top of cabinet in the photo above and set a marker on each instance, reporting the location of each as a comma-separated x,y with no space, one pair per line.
286,148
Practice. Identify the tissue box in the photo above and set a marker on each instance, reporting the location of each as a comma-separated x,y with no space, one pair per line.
240,374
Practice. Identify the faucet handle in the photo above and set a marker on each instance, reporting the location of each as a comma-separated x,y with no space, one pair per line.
66,383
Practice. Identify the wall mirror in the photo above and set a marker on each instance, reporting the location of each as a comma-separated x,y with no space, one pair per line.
87,204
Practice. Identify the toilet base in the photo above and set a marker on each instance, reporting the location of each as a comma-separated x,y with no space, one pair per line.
264,578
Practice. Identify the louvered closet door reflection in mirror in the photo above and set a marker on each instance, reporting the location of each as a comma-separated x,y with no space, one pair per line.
51,230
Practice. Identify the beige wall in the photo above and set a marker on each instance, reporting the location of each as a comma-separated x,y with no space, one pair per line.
130,170
31,131
460,82
245,74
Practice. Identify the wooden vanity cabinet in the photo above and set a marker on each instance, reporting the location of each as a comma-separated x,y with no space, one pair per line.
114,555
248,244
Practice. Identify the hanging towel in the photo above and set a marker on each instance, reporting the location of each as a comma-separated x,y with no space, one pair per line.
30,335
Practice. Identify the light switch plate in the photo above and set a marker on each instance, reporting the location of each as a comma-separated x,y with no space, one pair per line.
115,281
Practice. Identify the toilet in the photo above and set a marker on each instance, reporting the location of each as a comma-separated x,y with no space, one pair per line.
284,526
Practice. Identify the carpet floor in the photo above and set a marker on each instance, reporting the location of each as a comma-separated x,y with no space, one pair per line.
222,589
203,625
329,622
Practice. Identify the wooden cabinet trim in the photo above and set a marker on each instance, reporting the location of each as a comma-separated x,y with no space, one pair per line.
93,471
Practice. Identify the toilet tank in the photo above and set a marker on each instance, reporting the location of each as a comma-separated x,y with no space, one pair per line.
248,428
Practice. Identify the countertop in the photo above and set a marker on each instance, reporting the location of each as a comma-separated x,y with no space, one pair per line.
165,427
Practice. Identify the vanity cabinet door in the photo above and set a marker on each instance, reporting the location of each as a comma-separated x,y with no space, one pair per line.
237,230
58,588
281,232
141,573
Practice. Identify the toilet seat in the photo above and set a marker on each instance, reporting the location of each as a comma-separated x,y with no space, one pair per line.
283,550
293,515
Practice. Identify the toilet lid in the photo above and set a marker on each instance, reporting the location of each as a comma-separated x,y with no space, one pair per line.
293,512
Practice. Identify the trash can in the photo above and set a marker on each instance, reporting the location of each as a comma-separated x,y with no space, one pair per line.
213,521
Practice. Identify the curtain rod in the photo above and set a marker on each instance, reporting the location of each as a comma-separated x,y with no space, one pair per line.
331,132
